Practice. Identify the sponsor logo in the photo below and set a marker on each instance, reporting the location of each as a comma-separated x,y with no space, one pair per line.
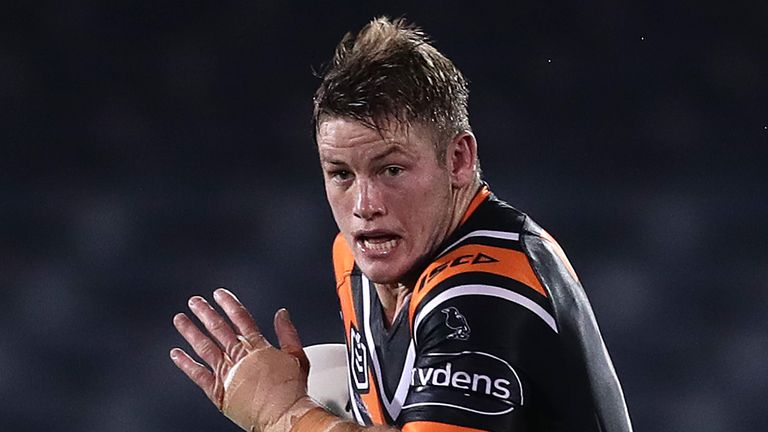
358,361
473,374
448,376
456,322
462,260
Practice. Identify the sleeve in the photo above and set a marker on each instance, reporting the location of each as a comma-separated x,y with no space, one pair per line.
583,350
489,356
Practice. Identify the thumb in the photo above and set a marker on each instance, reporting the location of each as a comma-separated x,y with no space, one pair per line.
288,338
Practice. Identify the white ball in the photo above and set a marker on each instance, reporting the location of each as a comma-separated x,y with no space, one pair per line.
327,381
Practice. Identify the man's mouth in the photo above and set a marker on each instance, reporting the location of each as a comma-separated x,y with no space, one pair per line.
377,242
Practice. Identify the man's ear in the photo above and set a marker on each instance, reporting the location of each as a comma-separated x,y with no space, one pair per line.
461,159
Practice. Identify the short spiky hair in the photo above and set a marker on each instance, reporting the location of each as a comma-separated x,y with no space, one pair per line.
389,71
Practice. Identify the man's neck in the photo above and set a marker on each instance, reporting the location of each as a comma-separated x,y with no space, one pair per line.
393,298
462,199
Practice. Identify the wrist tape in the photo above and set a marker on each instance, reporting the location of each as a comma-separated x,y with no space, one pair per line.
264,394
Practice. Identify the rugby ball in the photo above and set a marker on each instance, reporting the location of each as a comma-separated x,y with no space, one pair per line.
327,381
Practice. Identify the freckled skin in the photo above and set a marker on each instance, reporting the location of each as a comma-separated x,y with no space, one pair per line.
394,184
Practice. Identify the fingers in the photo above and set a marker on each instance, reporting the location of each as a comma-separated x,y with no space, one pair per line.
288,338
203,346
240,317
216,325
196,372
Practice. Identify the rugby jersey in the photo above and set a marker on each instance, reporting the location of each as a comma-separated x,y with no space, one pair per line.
497,335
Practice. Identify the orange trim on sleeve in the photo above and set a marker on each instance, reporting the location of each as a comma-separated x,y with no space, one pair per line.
476,258
480,196
428,426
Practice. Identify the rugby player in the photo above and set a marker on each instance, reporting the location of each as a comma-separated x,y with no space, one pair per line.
461,314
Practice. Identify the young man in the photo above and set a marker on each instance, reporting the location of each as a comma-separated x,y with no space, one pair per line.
461,313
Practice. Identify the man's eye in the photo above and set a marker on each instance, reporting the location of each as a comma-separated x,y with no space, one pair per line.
393,171
340,175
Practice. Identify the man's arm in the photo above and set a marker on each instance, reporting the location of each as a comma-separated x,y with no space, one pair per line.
257,386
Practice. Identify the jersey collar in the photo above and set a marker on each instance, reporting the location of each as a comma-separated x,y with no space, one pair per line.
478,199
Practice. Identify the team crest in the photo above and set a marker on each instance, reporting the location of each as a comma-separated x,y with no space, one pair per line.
358,361
457,323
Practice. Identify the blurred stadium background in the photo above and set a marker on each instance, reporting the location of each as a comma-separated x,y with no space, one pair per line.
155,150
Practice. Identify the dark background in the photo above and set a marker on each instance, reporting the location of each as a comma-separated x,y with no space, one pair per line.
150,151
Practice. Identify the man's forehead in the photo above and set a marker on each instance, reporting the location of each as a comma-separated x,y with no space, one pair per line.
370,151
343,131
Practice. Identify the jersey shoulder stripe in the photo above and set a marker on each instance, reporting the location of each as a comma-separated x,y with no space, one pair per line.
487,237
478,258
485,256
484,264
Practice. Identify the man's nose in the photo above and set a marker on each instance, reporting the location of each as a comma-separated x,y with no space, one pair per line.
369,202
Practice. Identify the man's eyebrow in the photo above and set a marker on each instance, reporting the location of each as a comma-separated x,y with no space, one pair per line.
394,148
330,159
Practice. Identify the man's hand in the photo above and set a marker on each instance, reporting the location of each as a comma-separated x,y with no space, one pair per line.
256,385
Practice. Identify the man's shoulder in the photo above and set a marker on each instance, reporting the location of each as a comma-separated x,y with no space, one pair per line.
530,238
486,257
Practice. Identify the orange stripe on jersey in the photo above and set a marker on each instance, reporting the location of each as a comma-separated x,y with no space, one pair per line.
428,426
343,264
476,258
480,196
343,261
372,401
561,254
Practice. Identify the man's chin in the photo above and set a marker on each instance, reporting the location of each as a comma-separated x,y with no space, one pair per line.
381,273
384,275
382,278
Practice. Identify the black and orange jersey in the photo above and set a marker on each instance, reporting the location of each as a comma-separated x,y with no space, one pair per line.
498,335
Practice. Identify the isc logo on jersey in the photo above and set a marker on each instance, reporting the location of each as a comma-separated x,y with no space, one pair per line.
466,375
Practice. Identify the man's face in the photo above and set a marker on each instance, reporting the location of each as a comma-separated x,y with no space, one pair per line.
389,195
